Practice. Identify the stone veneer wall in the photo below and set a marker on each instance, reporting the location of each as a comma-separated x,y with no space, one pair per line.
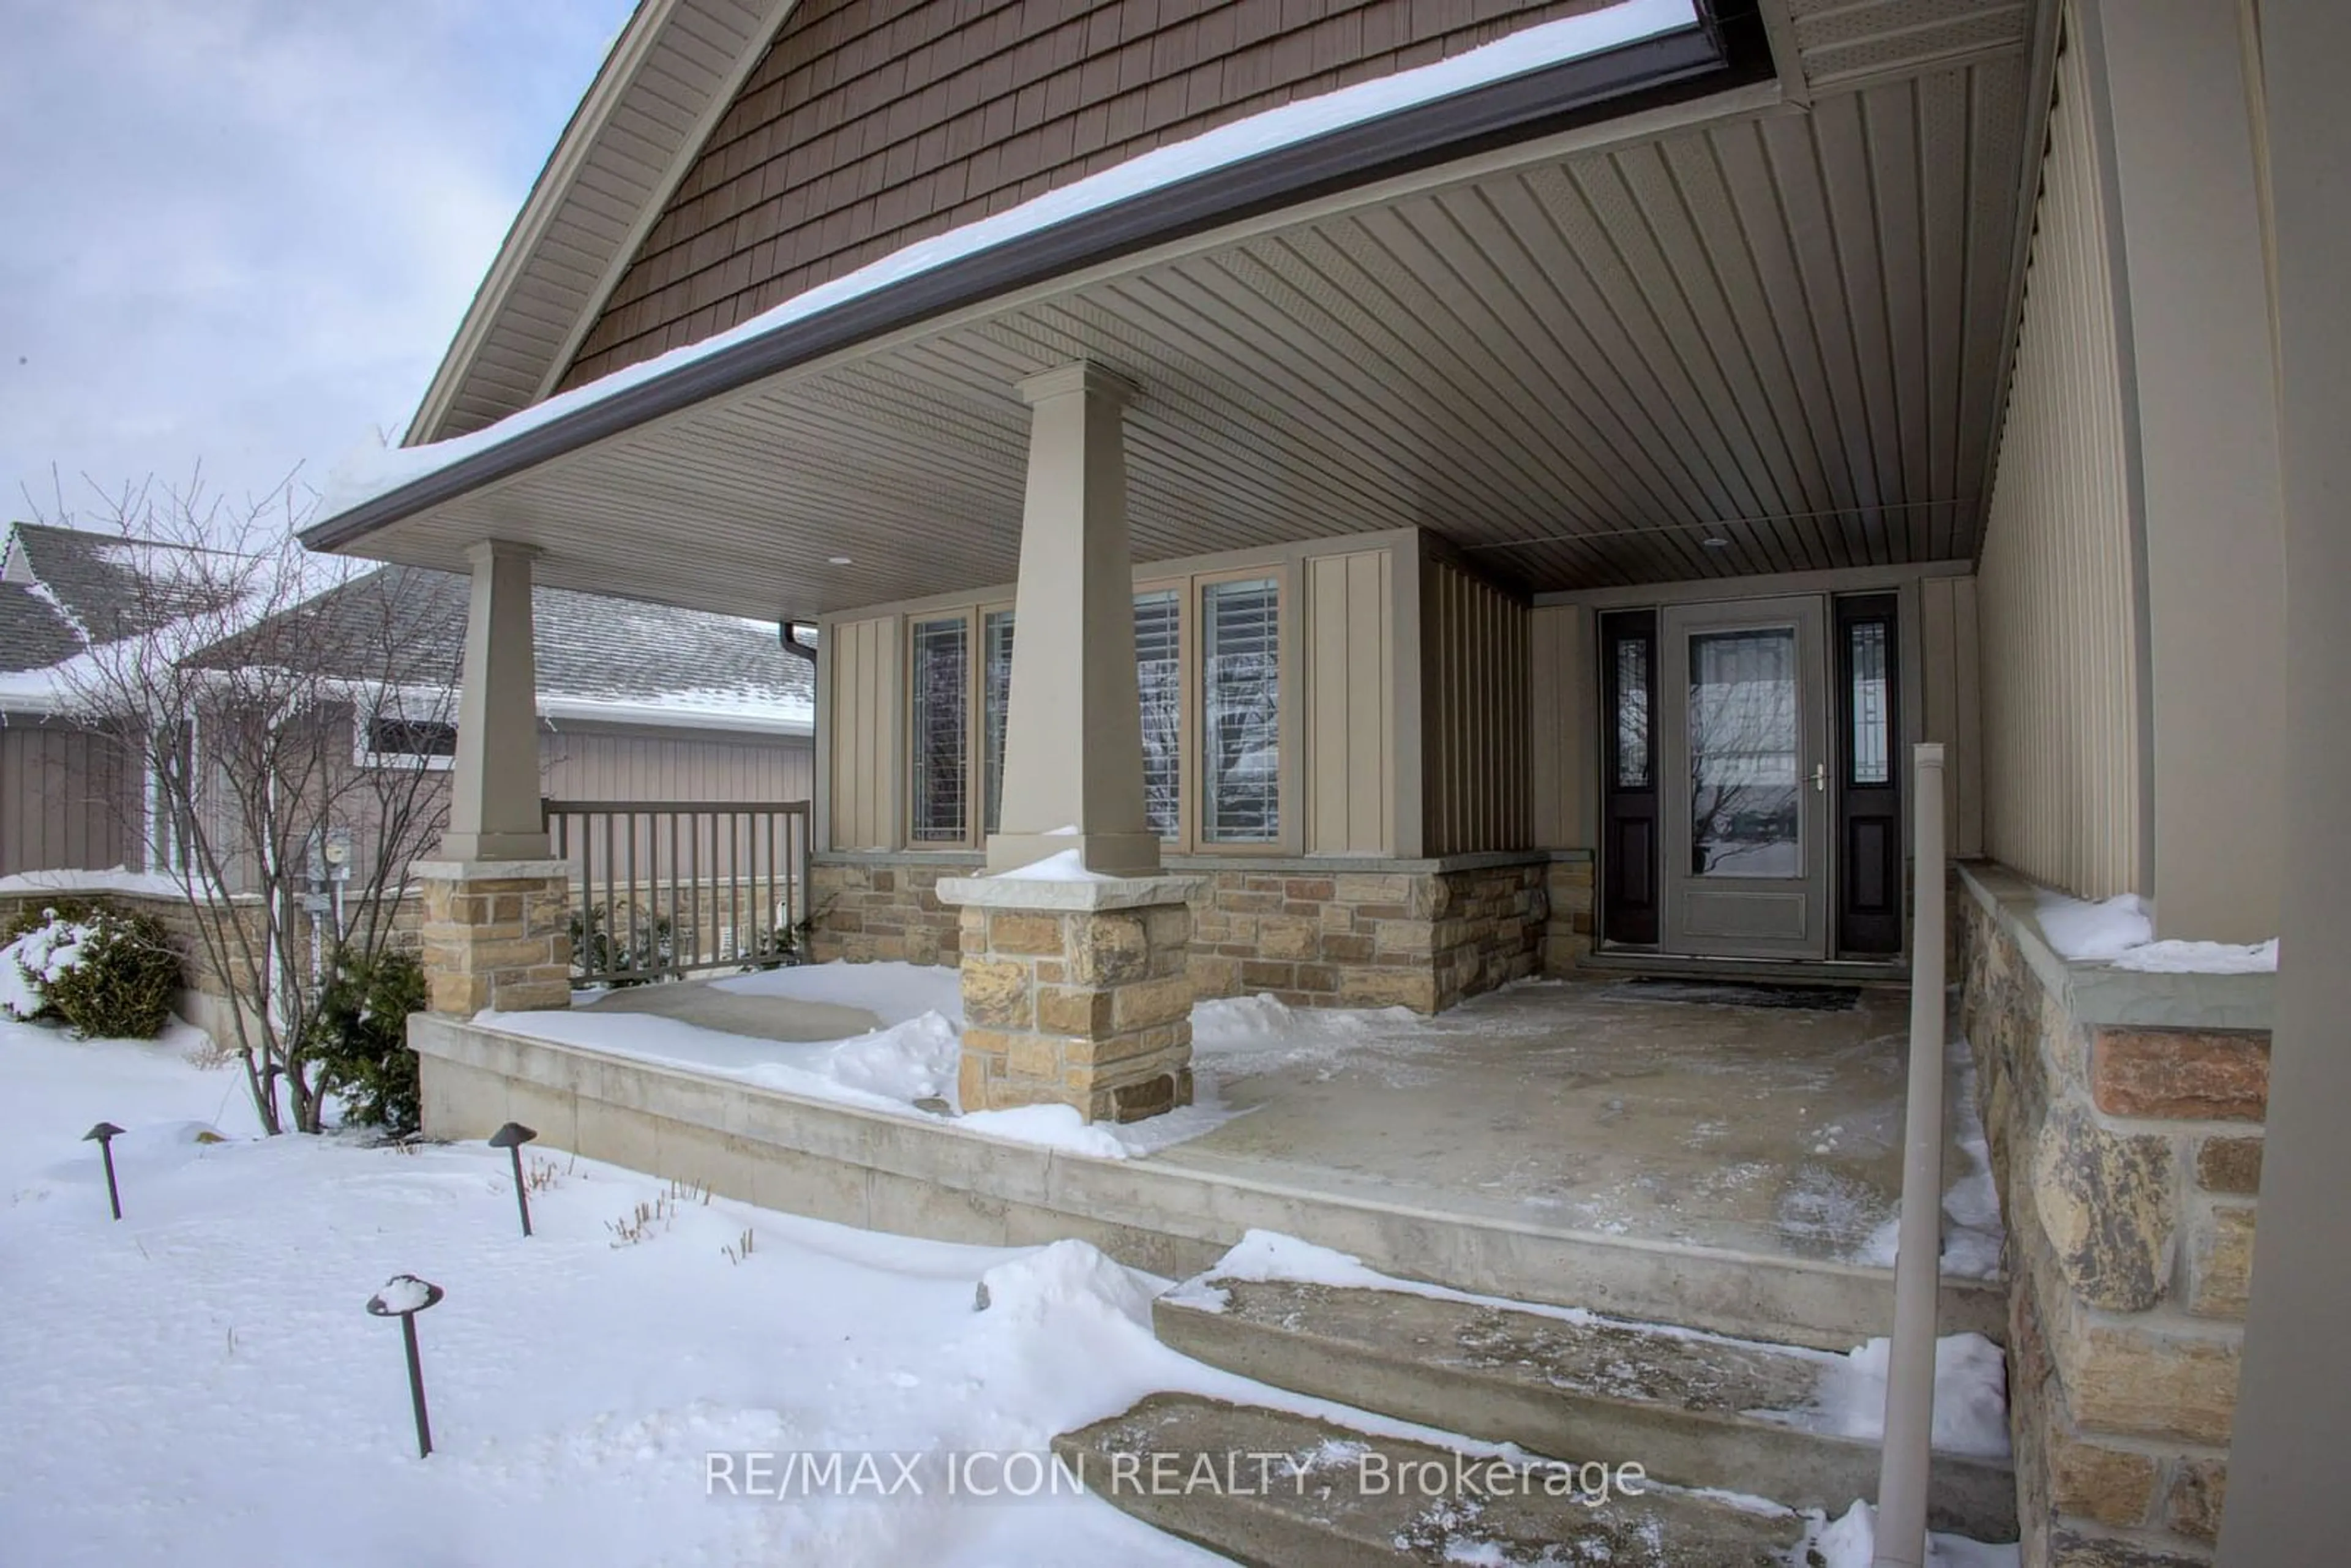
1313,934
2127,1158
1568,933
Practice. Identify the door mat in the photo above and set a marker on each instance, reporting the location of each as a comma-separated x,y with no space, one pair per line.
1744,993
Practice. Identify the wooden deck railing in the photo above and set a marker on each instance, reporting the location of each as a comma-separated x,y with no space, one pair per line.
666,888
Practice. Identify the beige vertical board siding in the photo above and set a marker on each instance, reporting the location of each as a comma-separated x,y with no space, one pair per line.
1952,714
1561,698
65,801
1350,703
1474,717
861,669
2057,596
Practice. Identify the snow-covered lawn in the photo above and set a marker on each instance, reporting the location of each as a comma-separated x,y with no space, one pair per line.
201,1385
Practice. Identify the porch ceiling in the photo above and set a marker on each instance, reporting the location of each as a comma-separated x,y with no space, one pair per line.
1768,340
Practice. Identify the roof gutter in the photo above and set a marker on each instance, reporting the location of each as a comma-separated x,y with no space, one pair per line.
1726,48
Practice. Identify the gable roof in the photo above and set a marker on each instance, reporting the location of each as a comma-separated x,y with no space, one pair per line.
674,68
598,658
98,586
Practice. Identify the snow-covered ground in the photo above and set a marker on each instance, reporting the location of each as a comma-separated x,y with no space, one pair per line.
201,1385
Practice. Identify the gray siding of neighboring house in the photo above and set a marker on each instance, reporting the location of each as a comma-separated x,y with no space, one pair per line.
65,801
584,762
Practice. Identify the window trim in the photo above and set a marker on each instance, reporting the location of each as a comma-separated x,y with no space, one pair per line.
365,717
1188,588
1287,731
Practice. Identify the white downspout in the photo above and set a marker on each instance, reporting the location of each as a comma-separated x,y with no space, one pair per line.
1917,1264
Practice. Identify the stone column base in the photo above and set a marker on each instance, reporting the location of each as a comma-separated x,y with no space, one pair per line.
497,934
1076,993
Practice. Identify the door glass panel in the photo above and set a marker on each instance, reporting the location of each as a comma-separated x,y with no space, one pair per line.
1745,809
1632,712
1872,755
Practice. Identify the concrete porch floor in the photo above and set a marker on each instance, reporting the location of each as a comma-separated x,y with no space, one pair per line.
1652,1112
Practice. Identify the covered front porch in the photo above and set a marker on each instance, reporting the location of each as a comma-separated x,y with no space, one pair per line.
1720,1156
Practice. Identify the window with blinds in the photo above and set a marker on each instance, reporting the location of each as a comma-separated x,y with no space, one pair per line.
941,701
1240,691
995,692
1159,680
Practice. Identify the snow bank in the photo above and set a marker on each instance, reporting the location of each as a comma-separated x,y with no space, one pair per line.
368,472
2121,931
1970,1395
120,879
892,992
1068,865
1973,1234
1067,1275
2202,958
2080,930
1852,1542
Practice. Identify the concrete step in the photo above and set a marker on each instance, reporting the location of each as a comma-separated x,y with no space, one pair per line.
1327,1496
1697,1410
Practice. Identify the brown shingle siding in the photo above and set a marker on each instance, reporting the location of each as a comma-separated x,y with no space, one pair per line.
869,125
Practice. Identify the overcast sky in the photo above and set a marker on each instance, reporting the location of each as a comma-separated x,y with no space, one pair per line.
242,232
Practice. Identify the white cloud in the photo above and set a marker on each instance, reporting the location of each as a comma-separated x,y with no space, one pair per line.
241,232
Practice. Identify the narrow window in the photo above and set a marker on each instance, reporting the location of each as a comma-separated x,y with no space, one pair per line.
1872,754
1159,680
995,692
1240,700
942,699
1632,712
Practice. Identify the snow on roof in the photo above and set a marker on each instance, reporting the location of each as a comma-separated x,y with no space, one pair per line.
598,658
369,472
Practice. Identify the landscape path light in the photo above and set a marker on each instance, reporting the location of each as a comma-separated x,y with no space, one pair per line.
104,1135
511,1138
403,1297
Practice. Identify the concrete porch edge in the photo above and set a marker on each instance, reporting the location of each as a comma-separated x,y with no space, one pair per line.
925,1177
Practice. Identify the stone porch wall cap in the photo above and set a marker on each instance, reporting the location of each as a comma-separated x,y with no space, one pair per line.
1104,892
2097,993
488,871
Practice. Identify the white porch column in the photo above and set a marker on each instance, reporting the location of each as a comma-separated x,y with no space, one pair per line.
1074,734
494,811
2294,1422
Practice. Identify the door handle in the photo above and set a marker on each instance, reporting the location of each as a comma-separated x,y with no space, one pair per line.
1821,777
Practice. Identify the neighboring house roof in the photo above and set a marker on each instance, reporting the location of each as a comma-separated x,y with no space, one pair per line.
103,587
597,657
64,591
